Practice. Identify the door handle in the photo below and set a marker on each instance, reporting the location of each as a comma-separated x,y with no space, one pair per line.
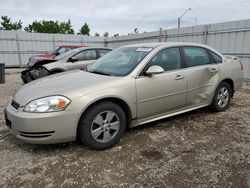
212,69
179,77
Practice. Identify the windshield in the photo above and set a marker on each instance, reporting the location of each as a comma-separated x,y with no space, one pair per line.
67,54
53,51
119,62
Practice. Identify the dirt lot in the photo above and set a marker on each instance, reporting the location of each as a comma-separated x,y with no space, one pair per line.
199,148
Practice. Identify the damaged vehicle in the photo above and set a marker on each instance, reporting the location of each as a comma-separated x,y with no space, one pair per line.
77,58
59,50
129,86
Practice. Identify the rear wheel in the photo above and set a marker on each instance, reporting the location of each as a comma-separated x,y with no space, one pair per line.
222,97
102,125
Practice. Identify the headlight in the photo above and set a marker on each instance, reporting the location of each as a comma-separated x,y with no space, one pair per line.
48,104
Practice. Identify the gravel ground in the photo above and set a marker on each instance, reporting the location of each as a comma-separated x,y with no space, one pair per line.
196,149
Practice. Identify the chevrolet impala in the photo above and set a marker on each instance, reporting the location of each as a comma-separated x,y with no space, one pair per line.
129,86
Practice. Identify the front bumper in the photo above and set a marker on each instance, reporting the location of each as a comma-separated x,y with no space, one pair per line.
42,128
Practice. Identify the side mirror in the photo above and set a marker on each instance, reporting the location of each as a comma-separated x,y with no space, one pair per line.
72,59
153,70
57,53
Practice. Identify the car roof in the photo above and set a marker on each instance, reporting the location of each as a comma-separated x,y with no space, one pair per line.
165,44
174,44
72,46
89,48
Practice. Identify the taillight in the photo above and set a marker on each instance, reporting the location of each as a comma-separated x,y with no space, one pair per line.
241,66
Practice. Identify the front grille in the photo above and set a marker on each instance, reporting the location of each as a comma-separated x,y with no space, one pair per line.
36,134
15,104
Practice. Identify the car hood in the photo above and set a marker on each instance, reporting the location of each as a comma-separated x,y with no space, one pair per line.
45,55
56,64
61,84
40,60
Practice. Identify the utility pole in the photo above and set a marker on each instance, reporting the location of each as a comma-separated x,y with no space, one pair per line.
179,19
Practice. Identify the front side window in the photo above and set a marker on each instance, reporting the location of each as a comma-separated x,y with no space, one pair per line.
169,59
119,62
67,54
86,55
102,52
195,56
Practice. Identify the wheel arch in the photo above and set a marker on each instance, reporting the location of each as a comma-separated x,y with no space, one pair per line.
230,82
125,107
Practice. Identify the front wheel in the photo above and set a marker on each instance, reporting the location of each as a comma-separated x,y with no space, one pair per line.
222,97
102,125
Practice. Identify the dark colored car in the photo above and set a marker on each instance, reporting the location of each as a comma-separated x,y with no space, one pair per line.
59,50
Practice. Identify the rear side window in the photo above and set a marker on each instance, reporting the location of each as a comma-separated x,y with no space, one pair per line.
103,52
195,56
216,58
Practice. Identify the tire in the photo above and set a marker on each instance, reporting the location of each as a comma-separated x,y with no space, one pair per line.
222,97
26,78
23,77
102,125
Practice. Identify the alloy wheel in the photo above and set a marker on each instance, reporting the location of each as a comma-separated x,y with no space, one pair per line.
105,126
223,97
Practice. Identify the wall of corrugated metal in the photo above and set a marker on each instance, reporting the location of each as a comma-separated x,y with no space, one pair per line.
230,38
16,46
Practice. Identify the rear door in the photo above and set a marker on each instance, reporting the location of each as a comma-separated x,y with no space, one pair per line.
162,93
203,75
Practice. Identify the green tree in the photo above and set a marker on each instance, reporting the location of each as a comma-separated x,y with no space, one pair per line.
97,34
50,26
84,29
106,34
66,27
6,24
136,30
116,35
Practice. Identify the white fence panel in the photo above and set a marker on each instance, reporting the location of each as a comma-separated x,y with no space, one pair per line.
230,38
17,46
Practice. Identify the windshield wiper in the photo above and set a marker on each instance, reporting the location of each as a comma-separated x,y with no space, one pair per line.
98,72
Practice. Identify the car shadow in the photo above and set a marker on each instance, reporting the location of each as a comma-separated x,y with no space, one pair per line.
190,114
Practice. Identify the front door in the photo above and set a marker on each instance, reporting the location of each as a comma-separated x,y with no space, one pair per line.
84,58
163,93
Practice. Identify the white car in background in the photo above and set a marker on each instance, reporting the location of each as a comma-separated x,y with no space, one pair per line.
78,58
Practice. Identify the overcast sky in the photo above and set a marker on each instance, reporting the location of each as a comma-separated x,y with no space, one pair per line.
122,16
